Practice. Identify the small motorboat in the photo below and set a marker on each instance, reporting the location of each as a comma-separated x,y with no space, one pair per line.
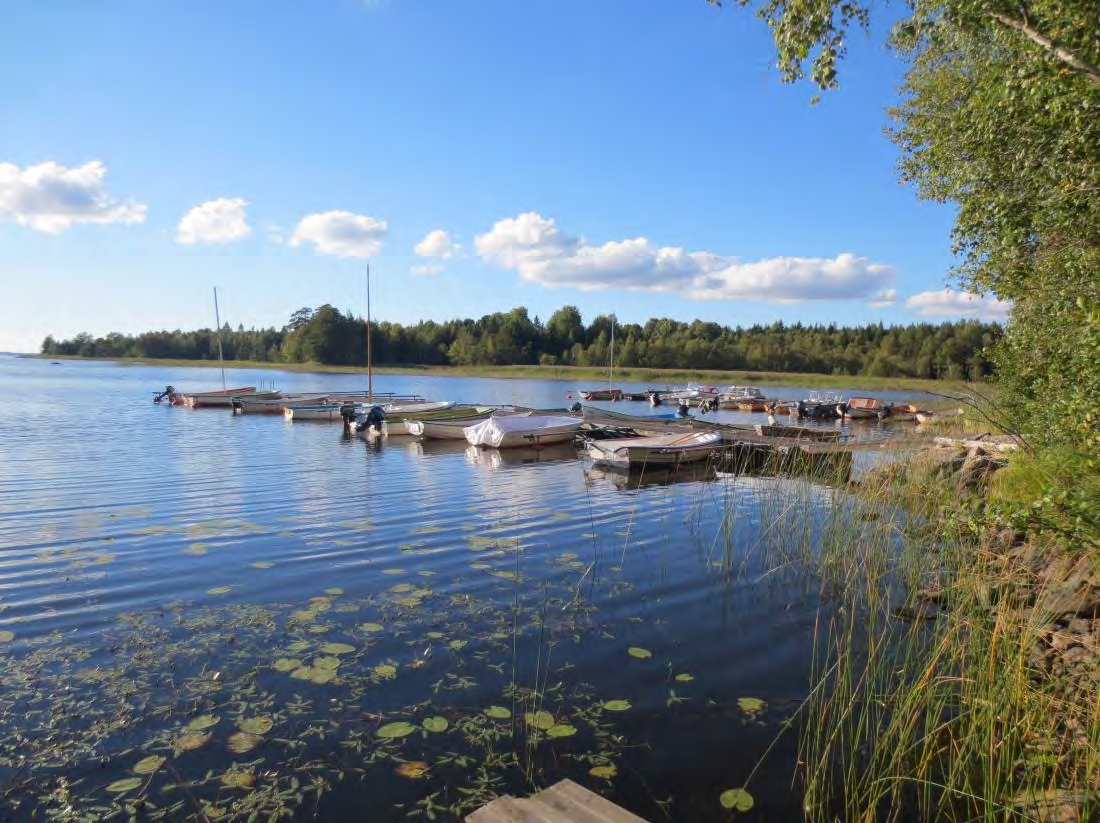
224,400
602,394
277,405
502,432
662,450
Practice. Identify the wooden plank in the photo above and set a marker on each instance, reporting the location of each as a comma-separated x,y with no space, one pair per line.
579,805
509,809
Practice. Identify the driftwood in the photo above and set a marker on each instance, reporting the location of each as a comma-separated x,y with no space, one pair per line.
979,445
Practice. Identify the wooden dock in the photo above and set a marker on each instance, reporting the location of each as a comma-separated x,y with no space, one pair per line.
564,802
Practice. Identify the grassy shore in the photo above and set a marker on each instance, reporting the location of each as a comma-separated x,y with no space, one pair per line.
655,377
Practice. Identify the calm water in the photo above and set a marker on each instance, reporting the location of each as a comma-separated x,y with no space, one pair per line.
203,614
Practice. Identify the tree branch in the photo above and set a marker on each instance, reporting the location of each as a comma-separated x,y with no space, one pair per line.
1062,53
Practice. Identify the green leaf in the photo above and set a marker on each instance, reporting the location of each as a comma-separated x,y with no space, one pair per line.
561,730
256,725
498,712
640,653
371,627
148,765
750,705
617,705
540,720
203,721
603,772
337,648
436,724
286,664
685,677
392,731
243,742
125,785
736,799
6,636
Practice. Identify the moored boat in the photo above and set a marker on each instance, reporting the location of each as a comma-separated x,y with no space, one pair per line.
662,450
322,411
522,430
872,408
276,405
225,400
602,394
181,398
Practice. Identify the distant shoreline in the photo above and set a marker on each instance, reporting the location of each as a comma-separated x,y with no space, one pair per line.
598,376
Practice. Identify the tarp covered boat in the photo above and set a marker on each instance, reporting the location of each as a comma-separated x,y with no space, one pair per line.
512,430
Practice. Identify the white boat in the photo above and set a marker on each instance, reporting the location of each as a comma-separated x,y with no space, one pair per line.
692,391
397,409
225,400
520,430
453,428
663,450
747,398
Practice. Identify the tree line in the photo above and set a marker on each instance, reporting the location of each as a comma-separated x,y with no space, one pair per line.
330,337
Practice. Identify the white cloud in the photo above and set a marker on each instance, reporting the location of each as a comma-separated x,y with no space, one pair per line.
341,233
426,270
950,303
51,198
437,244
541,252
886,297
216,221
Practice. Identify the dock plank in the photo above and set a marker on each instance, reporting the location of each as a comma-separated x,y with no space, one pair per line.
564,802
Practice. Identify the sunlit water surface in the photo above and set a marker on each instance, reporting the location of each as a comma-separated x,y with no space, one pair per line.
204,614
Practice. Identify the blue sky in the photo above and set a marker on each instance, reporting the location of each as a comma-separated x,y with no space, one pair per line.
639,157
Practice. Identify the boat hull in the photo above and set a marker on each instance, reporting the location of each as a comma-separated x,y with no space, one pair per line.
518,430
225,401
665,450
325,413
602,394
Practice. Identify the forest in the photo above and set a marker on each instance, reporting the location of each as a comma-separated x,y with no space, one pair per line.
328,336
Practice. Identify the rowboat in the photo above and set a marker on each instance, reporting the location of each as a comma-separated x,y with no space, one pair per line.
745,398
798,432
181,398
602,394
662,450
277,405
518,430
692,391
417,408
225,399
820,405
872,408
752,405
322,411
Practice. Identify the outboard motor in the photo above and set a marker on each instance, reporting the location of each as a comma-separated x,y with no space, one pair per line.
801,410
372,419
683,410
348,413
575,408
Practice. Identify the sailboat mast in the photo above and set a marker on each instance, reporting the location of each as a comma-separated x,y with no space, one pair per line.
370,386
611,369
218,319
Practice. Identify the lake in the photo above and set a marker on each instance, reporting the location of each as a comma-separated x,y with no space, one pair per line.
206,616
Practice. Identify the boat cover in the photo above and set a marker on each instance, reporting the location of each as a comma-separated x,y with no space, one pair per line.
493,431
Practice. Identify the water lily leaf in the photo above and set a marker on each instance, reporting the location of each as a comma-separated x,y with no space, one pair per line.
457,644
414,770
371,627
189,741
617,705
750,705
498,712
298,646
684,677
242,742
604,772
337,648
238,779
561,730
505,574
286,664
436,724
263,564
393,571
126,785
539,720
334,591
435,635
220,590
321,676
203,721
256,725
385,670
6,636
148,765
326,663
640,653
737,799
302,673
392,731
401,588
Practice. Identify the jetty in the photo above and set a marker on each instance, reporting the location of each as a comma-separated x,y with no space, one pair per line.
564,802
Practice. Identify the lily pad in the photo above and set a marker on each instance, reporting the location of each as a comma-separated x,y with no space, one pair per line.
238,779
498,713
242,742
539,720
148,765
561,730
189,741
371,627
736,799
435,635
220,590
414,769
321,676
750,705
257,725
392,731
684,677
603,772
385,670
334,591
203,721
286,664
263,564
617,705
6,636
457,644
125,785
337,648
331,663
436,724
639,652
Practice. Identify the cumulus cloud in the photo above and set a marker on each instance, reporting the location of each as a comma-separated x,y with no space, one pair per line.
541,252
437,244
224,220
51,198
341,233
950,303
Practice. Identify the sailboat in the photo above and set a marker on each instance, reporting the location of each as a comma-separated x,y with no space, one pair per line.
609,393
225,397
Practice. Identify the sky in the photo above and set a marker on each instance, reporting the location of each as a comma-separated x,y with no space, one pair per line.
631,157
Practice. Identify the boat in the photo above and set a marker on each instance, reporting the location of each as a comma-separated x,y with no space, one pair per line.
451,427
243,405
225,399
821,405
745,398
321,411
181,398
873,408
662,450
608,393
692,391
503,432
799,433
397,409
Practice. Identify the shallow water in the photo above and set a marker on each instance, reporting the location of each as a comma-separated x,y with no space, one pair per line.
160,566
